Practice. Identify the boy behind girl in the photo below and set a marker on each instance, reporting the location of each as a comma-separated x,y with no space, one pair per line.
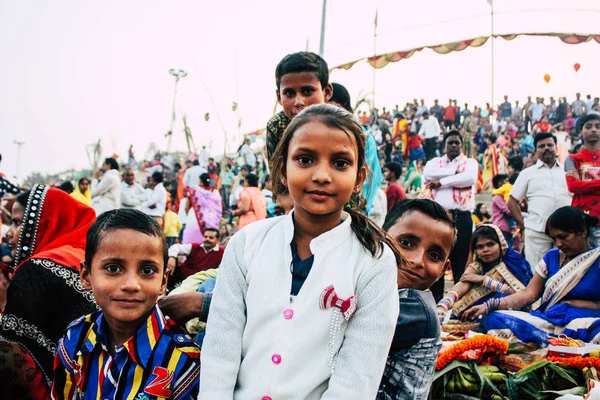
425,233
128,349
302,80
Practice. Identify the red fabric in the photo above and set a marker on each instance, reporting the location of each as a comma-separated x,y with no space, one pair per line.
200,260
394,193
450,113
414,142
62,230
586,194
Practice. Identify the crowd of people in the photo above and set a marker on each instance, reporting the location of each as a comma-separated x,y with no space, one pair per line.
303,270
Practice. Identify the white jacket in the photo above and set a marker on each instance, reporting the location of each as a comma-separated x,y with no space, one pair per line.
106,193
132,196
253,349
157,197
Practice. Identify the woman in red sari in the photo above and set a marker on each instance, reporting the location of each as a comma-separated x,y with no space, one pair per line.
40,294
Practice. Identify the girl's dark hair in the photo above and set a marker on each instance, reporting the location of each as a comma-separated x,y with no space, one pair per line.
252,179
478,213
571,219
484,232
123,218
303,61
82,179
205,179
368,233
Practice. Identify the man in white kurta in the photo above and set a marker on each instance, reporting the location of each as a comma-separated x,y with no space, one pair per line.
450,182
106,192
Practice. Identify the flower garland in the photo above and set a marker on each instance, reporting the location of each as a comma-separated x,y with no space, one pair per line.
577,362
486,342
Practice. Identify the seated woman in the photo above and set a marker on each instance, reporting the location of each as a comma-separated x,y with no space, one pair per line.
41,293
496,271
480,214
566,280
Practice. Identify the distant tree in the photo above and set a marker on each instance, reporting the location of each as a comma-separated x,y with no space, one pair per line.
37,178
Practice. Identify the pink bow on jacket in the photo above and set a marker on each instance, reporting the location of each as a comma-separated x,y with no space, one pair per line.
330,299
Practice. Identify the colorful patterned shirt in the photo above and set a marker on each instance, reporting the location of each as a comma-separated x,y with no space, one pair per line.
159,362
275,128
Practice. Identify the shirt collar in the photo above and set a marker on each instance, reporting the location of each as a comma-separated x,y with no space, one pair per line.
216,248
139,346
327,240
540,164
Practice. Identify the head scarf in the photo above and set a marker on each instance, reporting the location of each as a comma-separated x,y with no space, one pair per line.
54,227
85,198
513,260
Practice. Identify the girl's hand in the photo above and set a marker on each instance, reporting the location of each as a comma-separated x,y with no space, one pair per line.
473,313
472,278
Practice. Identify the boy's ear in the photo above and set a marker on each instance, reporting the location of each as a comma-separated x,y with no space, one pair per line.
278,96
360,179
328,92
447,267
84,275
163,284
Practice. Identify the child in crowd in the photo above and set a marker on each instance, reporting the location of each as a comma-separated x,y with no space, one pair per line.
302,79
500,212
128,349
425,233
172,224
504,191
415,147
305,305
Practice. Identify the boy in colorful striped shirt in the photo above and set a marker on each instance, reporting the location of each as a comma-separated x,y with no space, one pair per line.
129,349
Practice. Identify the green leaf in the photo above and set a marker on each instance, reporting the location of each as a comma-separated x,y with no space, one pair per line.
531,368
579,391
453,365
562,372
482,378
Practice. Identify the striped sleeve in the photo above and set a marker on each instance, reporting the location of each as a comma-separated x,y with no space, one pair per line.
63,384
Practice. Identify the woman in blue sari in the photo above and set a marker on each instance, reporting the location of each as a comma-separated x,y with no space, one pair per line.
567,282
497,270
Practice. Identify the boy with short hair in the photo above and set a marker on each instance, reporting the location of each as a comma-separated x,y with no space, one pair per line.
425,233
302,80
128,349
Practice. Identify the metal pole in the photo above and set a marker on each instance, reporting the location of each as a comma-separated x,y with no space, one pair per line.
374,54
172,117
492,42
323,19
178,74
19,144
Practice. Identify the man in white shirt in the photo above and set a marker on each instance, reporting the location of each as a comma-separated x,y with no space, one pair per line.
517,112
578,106
156,204
544,185
203,157
536,111
450,182
247,154
191,178
430,130
106,193
132,193
422,108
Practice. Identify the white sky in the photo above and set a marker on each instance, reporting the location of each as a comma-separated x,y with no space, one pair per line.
74,71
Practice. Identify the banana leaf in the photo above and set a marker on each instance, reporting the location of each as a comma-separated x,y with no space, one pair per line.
484,381
541,380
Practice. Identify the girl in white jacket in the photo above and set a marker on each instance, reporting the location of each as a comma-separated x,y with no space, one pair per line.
305,304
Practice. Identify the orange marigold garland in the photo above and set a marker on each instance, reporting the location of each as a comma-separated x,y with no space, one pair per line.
577,362
485,344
